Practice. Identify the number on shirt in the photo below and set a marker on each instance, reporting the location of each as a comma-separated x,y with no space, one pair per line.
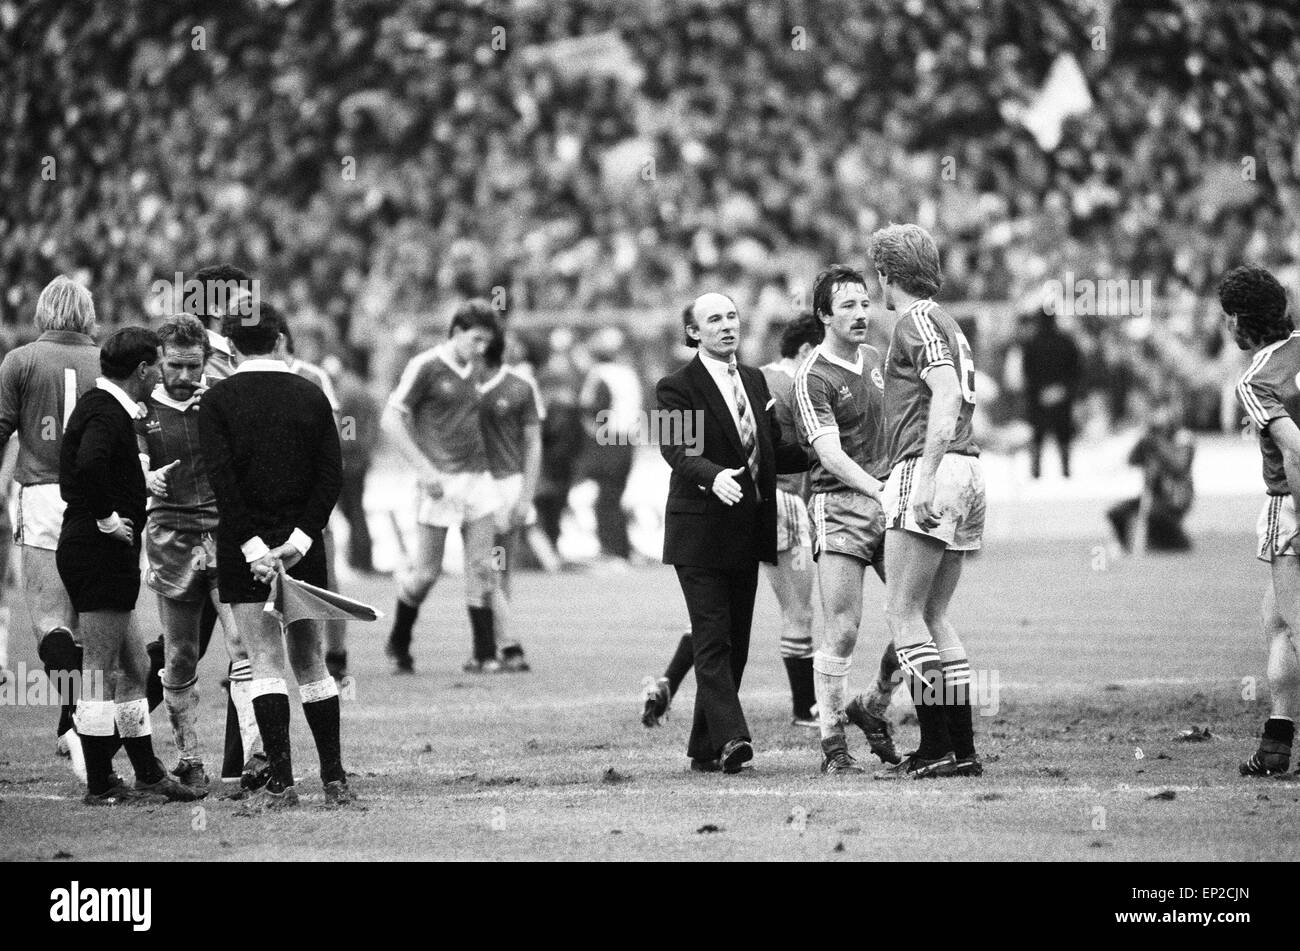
69,393
965,369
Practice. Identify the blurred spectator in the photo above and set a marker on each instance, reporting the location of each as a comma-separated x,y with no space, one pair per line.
359,411
560,380
1052,369
612,407
1165,454
377,160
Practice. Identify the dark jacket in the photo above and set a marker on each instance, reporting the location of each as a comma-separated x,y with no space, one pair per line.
699,529
272,454
99,468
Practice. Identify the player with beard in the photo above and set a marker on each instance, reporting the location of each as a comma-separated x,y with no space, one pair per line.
180,545
934,499
1255,310
839,402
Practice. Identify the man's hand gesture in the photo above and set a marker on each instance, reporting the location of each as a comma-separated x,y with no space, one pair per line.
726,488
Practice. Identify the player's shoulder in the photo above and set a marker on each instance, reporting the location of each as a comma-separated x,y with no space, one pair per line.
1275,363
426,361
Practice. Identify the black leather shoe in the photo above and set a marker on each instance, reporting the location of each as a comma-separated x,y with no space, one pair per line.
705,766
735,755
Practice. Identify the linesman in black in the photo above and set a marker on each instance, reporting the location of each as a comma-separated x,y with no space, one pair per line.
272,453
98,558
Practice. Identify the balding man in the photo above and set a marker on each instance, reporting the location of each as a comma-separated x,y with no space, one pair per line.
721,515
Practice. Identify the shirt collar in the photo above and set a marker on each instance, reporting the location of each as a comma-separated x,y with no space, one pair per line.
133,409
219,342
493,380
714,365
67,336
830,357
159,394
253,364
461,370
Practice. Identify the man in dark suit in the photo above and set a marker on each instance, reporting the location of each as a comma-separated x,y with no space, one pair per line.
721,516
272,455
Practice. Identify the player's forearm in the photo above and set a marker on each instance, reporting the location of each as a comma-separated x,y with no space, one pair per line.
941,426
532,465
397,426
838,464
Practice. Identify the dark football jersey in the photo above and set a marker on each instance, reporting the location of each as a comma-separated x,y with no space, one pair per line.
39,386
170,432
846,398
510,403
1268,390
780,383
443,402
924,338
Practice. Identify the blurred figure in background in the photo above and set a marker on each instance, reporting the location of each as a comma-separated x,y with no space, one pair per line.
611,404
1052,370
560,381
360,413
1165,454
303,356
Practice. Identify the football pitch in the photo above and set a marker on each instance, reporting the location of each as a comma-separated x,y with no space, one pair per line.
1099,665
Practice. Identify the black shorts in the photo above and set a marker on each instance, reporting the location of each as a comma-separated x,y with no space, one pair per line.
99,572
236,584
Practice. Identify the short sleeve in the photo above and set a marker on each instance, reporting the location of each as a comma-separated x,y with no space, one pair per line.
925,346
534,410
814,409
10,398
1260,399
414,386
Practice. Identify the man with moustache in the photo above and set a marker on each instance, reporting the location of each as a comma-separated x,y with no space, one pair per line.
720,518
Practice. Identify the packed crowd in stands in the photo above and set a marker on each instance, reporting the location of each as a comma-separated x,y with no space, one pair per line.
376,159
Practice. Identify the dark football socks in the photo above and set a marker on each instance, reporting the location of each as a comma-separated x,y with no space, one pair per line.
681,664
139,749
336,662
482,626
153,689
1283,731
98,751
272,710
802,695
889,666
399,641
323,719
62,659
921,661
957,707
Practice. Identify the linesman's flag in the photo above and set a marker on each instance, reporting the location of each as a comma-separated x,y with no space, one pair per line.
293,600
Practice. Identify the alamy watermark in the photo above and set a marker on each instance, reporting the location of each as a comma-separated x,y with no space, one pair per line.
1086,297
32,687
213,298
658,427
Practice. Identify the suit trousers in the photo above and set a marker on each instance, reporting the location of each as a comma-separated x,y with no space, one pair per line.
721,607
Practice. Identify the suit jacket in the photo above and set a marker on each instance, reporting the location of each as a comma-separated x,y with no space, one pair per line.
699,529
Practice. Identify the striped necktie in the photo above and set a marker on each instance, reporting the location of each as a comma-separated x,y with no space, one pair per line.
748,431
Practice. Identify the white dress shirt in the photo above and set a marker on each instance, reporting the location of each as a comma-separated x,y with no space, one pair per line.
718,369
